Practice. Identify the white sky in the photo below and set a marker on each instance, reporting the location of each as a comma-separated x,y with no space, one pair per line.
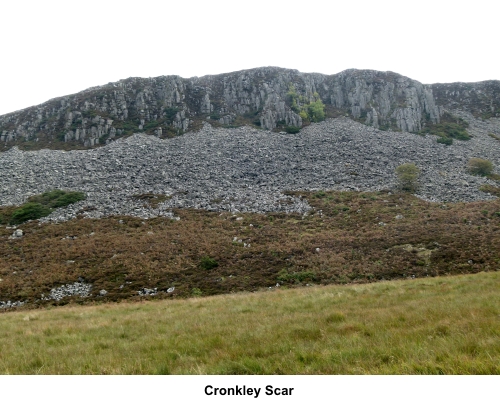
52,48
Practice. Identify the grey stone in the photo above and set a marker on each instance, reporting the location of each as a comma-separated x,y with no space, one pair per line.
148,291
81,289
243,169
11,304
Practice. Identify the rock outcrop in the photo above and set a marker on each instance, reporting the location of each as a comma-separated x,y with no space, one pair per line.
168,105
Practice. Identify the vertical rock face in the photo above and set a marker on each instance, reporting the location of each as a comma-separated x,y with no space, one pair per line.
384,98
168,105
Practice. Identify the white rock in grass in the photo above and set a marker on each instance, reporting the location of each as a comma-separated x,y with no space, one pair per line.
18,233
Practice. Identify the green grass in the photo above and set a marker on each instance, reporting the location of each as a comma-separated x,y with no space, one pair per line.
440,325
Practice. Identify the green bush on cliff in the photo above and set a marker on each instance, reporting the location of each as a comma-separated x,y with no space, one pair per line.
308,110
316,109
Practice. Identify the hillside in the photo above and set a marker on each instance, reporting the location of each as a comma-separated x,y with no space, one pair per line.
254,194
346,237
269,98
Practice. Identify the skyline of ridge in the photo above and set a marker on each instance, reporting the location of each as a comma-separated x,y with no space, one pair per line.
237,71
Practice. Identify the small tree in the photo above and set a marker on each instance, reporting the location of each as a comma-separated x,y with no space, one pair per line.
308,110
316,109
480,167
408,175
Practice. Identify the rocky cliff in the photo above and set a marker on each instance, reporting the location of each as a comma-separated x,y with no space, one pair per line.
270,98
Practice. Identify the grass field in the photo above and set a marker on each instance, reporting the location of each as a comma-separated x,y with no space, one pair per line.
431,325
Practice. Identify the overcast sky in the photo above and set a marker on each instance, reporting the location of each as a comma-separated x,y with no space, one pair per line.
53,48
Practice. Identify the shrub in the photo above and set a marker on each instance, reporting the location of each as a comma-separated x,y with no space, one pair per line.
284,276
313,111
39,206
292,130
480,167
29,211
170,113
449,127
303,115
208,263
456,131
316,109
445,140
408,175
57,198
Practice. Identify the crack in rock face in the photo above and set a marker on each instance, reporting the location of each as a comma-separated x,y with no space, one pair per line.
245,169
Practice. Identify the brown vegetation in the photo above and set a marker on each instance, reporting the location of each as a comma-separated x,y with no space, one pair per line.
348,238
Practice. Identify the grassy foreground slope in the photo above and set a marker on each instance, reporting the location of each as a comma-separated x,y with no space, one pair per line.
440,325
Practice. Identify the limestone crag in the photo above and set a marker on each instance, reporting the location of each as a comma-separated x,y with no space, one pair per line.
169,105
381,97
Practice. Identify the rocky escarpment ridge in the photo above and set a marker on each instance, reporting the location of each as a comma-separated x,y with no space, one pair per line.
245,169
168,105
